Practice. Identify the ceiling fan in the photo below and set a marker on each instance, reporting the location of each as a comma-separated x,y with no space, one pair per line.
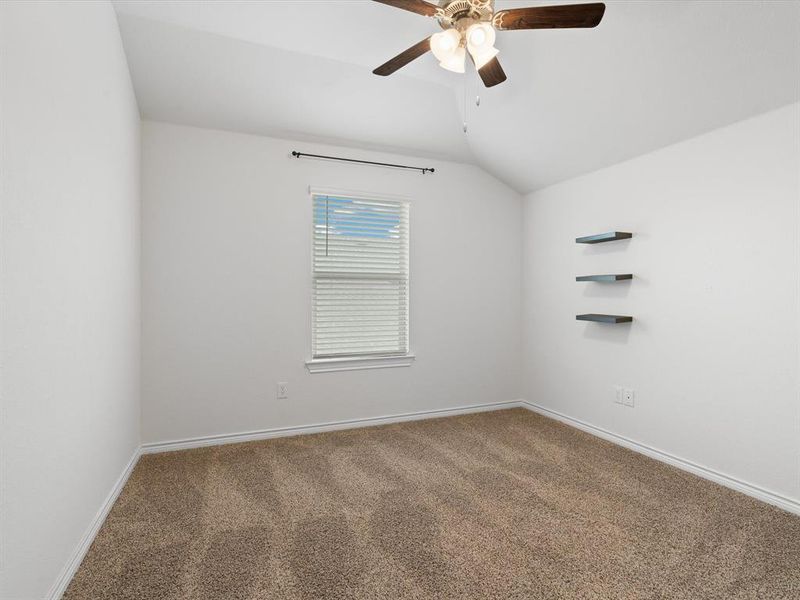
470,27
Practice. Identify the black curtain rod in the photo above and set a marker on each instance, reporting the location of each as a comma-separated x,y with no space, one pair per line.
422,170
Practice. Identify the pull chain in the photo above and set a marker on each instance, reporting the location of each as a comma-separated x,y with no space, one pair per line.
466,115
466,103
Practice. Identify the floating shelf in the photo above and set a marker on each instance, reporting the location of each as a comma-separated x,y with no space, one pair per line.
604,318
617,277
611,236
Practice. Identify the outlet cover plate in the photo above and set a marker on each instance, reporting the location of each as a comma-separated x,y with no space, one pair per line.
282,390
628,398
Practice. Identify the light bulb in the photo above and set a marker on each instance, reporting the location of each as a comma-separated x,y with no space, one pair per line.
480,36
455,62
444,44
477,37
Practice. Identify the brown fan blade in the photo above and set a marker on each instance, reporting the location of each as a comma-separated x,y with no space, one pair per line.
416,6
550,17
492,73
405,57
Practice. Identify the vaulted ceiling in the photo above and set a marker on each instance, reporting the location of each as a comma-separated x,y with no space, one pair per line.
653,73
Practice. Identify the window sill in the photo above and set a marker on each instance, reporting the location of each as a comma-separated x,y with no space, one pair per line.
328,365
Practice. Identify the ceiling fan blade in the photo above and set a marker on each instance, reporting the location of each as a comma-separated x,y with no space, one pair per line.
550,17
416,6
405,57
492,73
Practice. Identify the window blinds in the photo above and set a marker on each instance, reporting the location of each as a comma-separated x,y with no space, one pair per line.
360,295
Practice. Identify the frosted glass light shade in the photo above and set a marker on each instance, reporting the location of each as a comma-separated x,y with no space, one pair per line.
483,57
445,44
455,62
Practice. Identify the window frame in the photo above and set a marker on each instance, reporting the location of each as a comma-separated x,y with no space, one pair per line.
356,361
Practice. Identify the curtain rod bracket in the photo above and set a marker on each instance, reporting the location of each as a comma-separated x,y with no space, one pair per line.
422,170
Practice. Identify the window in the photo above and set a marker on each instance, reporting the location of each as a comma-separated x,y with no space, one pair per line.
360,288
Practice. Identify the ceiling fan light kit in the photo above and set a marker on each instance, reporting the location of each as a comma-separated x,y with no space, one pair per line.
472,25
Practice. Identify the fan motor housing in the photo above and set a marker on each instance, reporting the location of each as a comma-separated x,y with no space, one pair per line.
463,13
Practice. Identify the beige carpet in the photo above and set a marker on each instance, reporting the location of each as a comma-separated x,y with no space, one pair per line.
495,505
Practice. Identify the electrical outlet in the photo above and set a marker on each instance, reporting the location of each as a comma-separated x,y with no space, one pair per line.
283,390
628,397
618,394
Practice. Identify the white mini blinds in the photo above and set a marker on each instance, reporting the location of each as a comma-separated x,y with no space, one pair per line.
360,303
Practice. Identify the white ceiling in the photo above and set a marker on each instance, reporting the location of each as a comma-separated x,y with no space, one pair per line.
651,74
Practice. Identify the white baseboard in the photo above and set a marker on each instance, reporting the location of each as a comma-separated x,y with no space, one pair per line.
728,481
265,434
67,573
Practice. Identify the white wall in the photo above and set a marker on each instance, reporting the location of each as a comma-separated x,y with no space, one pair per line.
713,352
70,281
226,286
